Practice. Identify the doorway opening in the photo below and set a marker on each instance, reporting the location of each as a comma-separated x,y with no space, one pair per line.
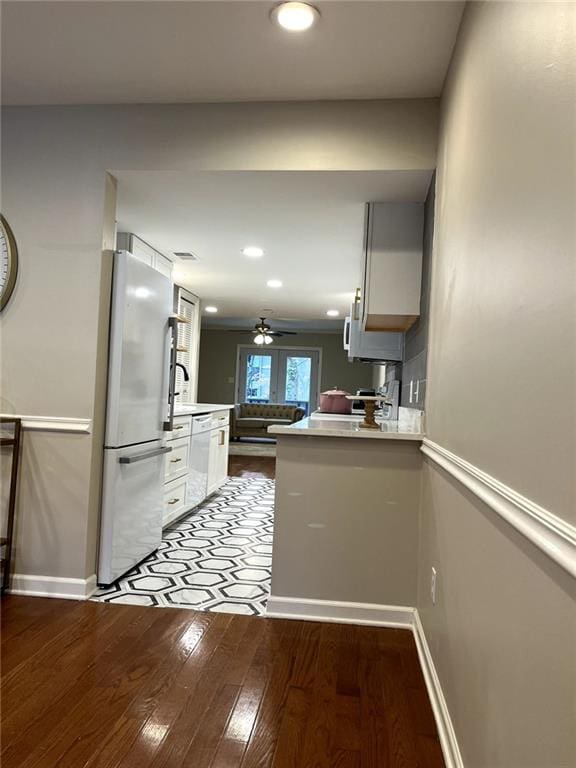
281,376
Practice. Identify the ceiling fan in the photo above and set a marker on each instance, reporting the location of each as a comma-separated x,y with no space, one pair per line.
263,334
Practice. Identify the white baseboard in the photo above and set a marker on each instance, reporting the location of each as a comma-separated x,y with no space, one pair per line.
53,586
342,613
404,617
446,733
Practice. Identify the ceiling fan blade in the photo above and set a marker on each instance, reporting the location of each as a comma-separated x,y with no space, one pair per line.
239,330
282,333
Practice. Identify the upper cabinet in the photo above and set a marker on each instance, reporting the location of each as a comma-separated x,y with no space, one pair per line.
371,347
390,296
126,241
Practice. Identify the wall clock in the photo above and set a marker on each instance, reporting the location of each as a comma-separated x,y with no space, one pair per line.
8,262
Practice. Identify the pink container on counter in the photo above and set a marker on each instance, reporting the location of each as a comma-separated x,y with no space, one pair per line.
335,401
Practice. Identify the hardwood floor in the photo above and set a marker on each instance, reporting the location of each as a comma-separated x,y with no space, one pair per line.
93,685
252,466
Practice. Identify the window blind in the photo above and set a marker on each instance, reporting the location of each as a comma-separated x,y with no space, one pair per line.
184,353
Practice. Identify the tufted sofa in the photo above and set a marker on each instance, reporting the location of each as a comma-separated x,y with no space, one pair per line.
253,419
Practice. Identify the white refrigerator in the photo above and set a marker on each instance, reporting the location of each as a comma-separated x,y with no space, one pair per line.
137,416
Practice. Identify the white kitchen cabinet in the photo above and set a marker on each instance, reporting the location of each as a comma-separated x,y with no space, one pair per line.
174,500
390,295
182,427
126,241
178,459
162,264
176,468
218,456
198,462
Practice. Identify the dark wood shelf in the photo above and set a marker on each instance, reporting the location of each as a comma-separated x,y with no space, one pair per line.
6,541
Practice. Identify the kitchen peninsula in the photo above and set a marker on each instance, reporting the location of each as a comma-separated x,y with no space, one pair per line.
346,519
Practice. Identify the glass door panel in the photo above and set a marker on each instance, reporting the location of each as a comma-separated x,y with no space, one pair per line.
279,376
298,378
258,377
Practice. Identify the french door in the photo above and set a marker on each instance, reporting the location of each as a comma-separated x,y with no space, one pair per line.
282,375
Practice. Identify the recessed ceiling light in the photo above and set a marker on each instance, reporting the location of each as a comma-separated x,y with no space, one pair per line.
253,251
295,17
274,283
332,313
211,310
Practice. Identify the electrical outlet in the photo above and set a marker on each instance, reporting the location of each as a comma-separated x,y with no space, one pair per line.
433,586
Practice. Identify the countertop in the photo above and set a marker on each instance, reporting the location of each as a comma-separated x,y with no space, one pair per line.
197,409
347,427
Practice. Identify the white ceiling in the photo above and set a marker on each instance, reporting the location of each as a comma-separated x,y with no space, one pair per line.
309,223
153,52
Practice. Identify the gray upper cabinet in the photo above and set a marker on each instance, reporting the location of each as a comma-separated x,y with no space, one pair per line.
371,347
390,298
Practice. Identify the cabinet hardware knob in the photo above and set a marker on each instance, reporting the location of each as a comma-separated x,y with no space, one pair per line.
173,501
175,461
181,426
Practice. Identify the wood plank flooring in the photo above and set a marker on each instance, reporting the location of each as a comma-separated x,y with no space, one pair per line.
93,685
252,466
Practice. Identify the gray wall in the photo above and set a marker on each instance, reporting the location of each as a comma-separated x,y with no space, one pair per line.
218,350
53,332
503,629
416,341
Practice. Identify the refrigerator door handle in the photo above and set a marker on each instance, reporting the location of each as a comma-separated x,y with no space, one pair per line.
142,456
168,426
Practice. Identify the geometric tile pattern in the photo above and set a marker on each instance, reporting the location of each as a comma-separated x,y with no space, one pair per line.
217,558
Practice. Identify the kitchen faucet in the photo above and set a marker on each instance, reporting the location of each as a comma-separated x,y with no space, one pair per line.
184,373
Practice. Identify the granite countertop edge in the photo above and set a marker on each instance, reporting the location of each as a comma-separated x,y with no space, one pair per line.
198,409
346,430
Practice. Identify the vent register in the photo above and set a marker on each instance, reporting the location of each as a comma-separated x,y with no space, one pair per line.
186,255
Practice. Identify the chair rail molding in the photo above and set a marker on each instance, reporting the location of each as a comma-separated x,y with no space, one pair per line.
52,423
550,533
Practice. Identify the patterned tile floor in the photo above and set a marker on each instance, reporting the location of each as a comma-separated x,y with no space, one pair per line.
217,558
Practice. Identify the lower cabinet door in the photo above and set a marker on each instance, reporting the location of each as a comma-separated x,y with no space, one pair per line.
218,458
176,462
174,500
213,462
223,440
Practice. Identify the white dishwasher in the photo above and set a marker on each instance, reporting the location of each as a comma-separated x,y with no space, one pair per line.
197,486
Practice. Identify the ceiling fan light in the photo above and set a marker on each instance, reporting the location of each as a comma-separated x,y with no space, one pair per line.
295,16
259,339
268,339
